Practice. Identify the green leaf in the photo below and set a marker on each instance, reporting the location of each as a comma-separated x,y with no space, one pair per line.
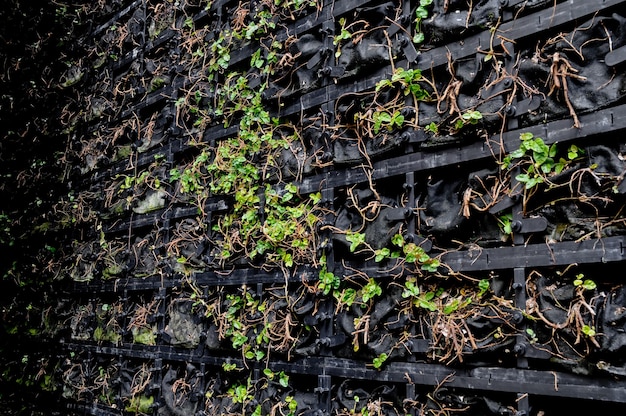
451,307
537,145
531,183
421,13
483,285
547,165
397,240
432,127
140,404
292,404
229,366
378,361
371,290
398,119
412,290
526,136
288,259
588,331
522,177
316,197
382,254
518,153
419,38
589,284
472,116
553,150
383,83
347,296
428,305
283,379
540,157
291,188
431,265
355,240
574,151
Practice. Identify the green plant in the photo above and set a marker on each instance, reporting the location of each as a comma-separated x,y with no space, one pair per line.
106,334
416,254
531,335
432,127
420,300
236,330
387,120
370,290
6,236
240,393
538,160
140,404
283,379
483,286
156,83
285,234
220,56
380,360
588,331
410,252
262,26
355,240
345,297
344,34
455,304
292,405
328,281
381,254
108,329
145,336
229,366
470,117
505,222
408,80
586,284
253,354
421,13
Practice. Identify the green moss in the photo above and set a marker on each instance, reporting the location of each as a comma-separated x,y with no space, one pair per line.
140,404
144,336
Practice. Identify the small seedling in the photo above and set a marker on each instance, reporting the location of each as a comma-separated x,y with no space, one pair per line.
371,290
588,331
355,240
421,13
380,360
586,284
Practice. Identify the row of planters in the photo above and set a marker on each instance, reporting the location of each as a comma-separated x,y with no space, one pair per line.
199,389
570,321
571,187
572,325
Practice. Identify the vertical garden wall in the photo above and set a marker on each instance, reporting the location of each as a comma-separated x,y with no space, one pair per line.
296,207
